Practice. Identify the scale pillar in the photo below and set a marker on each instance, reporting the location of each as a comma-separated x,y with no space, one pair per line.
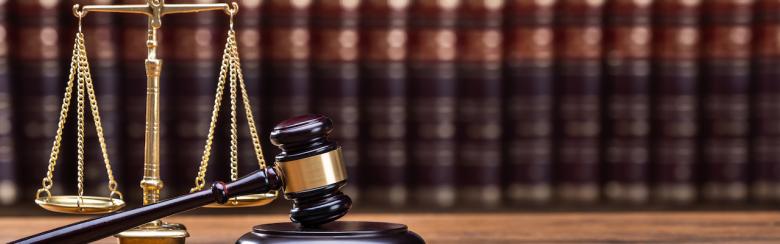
151,184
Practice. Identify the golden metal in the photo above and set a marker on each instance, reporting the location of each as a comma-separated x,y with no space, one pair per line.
230,71
254,200
313,172
157,231
79,204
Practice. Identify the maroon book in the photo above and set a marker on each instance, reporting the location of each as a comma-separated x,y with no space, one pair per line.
727,54
248,28
193,56
627,61
676,44
36,50
335,77
766,102
287,67
479,110
579,89
383,55
432,86
9,182
529,77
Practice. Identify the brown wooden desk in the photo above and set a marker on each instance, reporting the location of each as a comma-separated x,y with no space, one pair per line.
642,227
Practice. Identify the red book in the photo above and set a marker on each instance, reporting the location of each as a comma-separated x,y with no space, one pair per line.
287,51
676,44
37,55
193,58
579,88
627,62
335,77
248,28
383,55
529,49
432,86
9,182
479,102
766,102
727,54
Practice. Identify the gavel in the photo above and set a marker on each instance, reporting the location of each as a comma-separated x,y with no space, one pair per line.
309,170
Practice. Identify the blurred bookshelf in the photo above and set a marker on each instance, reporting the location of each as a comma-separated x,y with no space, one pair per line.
440,106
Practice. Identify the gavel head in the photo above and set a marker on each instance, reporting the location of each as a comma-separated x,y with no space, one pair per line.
312,170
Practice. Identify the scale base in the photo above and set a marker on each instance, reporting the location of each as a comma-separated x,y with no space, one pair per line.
156,232
334,232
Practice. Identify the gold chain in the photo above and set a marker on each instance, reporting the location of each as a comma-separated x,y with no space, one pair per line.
233,126
231,66
247,105
112,185
79,70
80,117
200,180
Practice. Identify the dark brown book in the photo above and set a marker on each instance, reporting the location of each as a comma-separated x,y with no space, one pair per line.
479,110
193,56
765,153
383,55
287,67
628,40
676,44
530,51
249,37
102,51
432,86
9,182
39,85
579,88
726,59
335,78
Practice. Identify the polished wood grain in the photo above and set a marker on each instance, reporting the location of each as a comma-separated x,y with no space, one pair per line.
641,227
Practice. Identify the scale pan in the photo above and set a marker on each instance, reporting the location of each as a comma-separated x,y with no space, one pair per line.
253,200
87,205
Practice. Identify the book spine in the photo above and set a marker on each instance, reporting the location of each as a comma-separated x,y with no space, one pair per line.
287,50
727,55
627,63
194,63
335,77
101,43
249,38
479,115
433,82
383,55
579,99
36,53
529,58
676,44
766,103
8,178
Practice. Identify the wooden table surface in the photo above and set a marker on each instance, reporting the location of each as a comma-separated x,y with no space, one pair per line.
620,227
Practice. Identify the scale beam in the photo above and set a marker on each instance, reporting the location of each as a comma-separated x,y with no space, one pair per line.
155,11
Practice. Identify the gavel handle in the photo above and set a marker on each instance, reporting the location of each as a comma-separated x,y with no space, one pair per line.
261,181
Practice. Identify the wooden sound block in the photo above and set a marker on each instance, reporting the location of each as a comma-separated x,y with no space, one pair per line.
334,232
